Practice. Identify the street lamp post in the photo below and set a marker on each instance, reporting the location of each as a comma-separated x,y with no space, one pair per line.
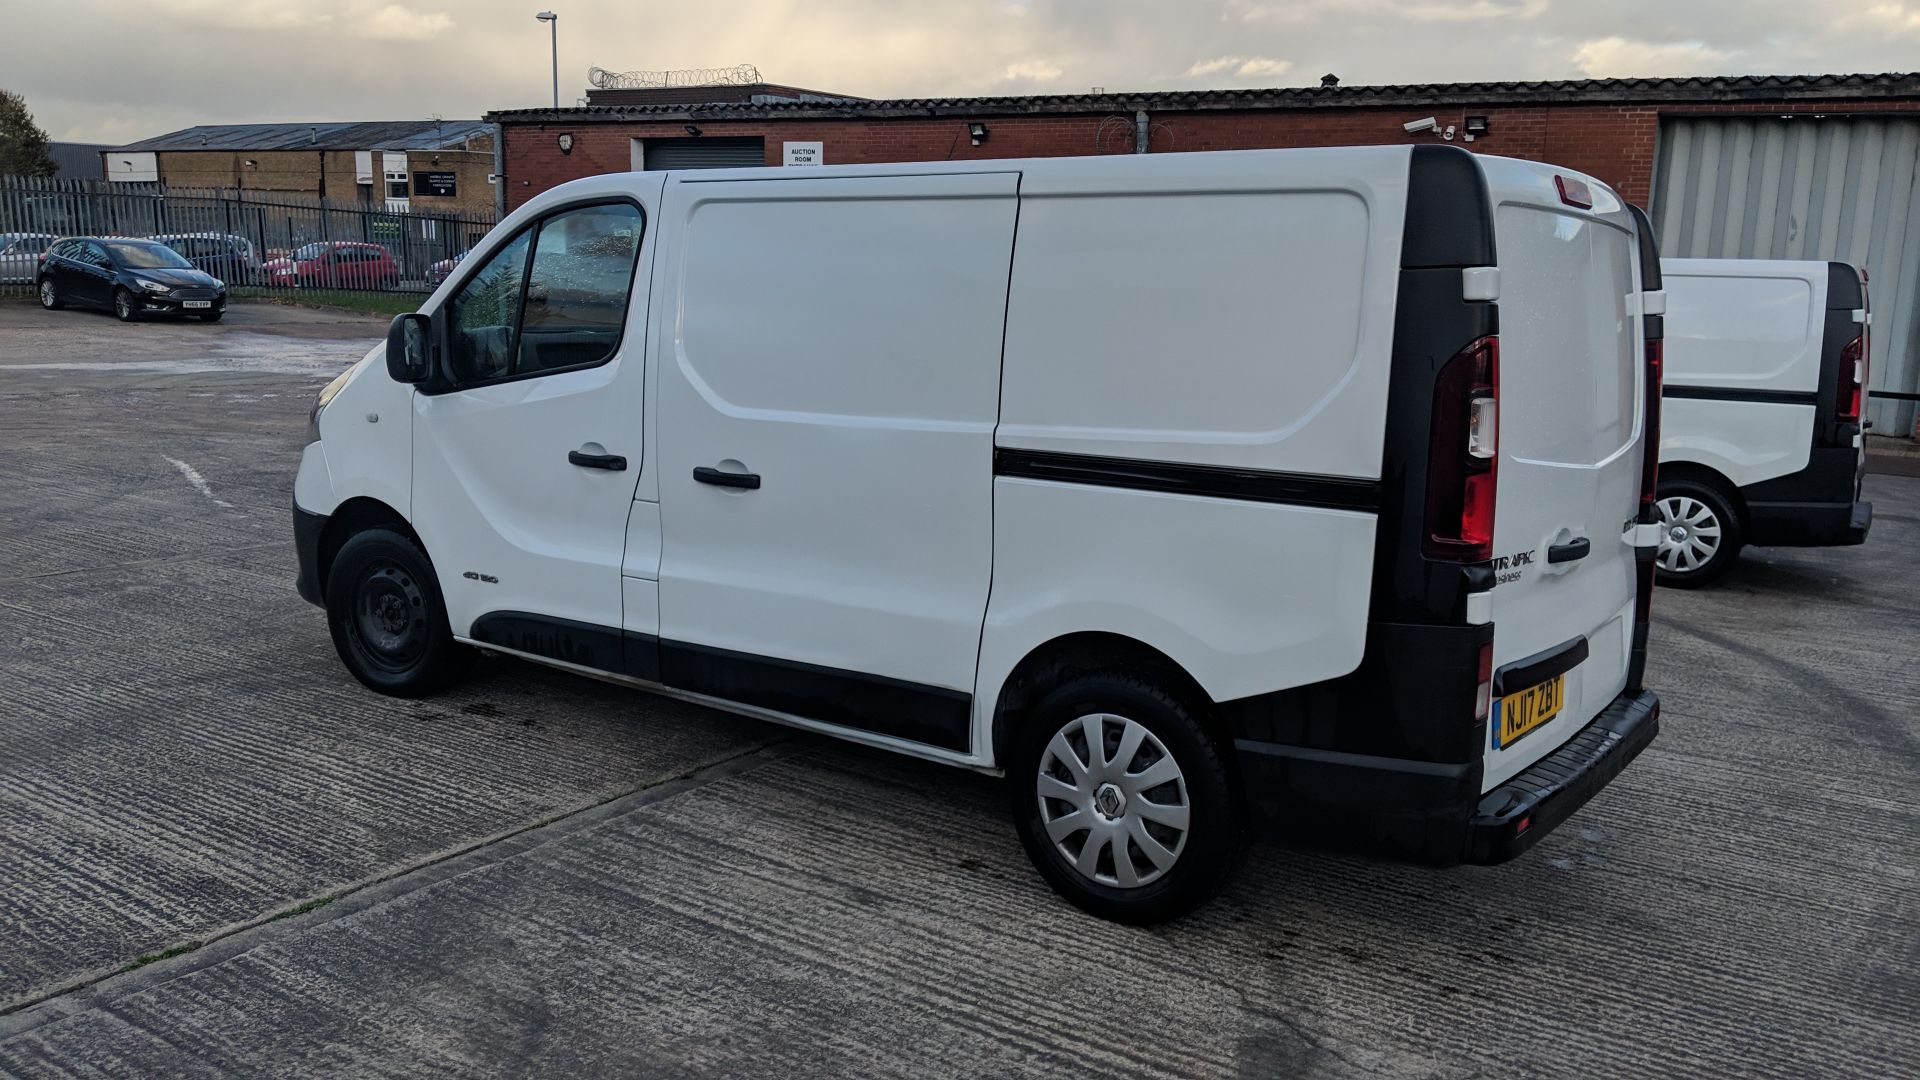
553,24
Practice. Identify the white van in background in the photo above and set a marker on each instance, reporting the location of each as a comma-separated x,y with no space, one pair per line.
1766,385
1191,491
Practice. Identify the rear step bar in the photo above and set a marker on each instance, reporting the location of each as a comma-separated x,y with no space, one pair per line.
1522,810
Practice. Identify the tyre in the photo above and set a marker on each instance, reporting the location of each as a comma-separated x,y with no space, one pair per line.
50,295
124,308
1699,533
388,621
1122,798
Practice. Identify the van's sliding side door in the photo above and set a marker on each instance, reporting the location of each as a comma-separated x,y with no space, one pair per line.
826,420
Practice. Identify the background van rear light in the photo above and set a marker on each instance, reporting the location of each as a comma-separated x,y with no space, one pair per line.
1463,455
1853,380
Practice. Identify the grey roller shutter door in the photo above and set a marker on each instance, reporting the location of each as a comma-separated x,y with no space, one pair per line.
1800,188
702,152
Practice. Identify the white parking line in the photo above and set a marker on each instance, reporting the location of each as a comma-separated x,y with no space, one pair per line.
199,482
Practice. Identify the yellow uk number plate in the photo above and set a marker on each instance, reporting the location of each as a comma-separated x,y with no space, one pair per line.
1522,712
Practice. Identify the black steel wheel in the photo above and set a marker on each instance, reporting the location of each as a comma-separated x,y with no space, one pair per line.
388,621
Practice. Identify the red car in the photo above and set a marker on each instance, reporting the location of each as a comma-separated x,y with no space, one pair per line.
341,264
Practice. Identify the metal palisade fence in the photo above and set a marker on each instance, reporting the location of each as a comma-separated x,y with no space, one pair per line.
253,240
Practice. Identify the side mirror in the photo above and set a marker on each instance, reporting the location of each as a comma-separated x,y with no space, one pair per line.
408,357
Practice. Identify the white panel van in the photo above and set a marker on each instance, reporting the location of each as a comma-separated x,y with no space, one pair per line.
1766,385
1303,491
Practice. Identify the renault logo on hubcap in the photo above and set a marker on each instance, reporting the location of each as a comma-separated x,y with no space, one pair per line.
1109,801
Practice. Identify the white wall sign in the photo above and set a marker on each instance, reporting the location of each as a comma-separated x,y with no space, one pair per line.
133,168
803,153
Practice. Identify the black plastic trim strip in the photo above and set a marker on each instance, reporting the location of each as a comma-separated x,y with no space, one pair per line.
1731,393
1175,478
931,715
603,648
1541,666
1449,219
1373,762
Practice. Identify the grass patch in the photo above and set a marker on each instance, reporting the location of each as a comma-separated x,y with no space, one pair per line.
312,905
181,950
373,303
155,957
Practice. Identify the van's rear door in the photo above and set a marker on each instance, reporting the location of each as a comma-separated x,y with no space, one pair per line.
1569,458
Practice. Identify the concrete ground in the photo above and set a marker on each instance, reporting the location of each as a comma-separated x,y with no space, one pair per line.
218,854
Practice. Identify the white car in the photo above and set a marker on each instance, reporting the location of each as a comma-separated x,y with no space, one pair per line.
20,256
1228,491
1766,387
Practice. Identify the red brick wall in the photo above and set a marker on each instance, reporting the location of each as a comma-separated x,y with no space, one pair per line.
1614,142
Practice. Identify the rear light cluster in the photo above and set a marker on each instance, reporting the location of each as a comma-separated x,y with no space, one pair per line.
1853,380
1463,455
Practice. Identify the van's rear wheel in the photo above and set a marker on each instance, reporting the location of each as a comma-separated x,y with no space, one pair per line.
388,621
1699,533
1122,799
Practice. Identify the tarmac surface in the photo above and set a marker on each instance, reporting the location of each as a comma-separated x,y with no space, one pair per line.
220,855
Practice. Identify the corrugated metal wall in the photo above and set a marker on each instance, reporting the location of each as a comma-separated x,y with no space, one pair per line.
1805,188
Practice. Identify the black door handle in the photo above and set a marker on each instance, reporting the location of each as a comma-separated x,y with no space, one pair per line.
1571,551
709,475
610,462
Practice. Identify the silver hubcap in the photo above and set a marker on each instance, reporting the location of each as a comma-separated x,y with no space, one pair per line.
1689,534
46,292
1113,801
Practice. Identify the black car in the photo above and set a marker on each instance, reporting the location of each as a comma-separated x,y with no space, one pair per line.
229,258
131,278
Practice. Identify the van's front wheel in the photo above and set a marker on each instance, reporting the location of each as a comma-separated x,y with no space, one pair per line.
1699,533
1123,800
388,621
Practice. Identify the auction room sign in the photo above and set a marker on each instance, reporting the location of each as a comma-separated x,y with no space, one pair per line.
804,153
433,183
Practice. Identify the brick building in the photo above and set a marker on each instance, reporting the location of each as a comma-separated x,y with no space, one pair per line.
422,165
1807,166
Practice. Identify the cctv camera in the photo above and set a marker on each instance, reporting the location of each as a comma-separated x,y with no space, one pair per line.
1428,124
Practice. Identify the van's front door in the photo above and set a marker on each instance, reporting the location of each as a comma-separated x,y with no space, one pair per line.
525,467
829,385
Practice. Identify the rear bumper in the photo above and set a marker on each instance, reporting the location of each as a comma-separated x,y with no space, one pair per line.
1434,812
1514,816
1808,524
1819,506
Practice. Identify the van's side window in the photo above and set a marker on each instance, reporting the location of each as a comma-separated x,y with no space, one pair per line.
577,290
485,313
553,299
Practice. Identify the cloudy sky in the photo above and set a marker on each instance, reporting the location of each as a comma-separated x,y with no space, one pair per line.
118,70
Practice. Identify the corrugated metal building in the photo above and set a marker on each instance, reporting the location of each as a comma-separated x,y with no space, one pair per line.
78,161
1806,187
